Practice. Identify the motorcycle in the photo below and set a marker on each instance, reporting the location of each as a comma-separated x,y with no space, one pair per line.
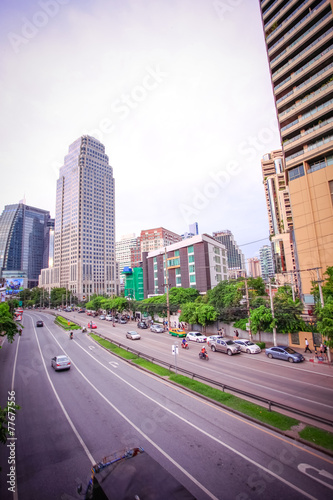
203,355
185,346
71,335
84,329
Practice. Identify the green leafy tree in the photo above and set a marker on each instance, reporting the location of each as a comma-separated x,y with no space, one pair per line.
325,321
206,314
287,313
8,327
189,313
11,409
179,295
261,320
226,299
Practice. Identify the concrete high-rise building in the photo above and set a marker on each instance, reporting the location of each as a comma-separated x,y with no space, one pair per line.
299,44
193,230
152,239
84,238
266,262
123,250
236,259
279,217
24,242
253,266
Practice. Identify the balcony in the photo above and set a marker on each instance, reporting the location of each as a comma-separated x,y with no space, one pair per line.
299,107
287,36
308,51
288,21
313,116
321,147
308,135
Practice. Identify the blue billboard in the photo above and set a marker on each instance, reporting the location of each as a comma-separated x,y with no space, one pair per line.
14,285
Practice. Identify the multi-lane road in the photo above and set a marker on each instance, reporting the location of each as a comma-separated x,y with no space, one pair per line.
70,420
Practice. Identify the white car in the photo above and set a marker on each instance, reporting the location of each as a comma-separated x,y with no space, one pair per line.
108,318
196,337
133,335
102,316
248,346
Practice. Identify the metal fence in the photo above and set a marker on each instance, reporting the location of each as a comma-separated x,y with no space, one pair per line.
224,387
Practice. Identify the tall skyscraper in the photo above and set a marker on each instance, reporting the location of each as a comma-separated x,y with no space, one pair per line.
236,259
84,238
24,242
123,250
279,217
266,262
299,46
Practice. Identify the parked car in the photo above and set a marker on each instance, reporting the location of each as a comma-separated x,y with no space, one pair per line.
39,323
196,337
133,335
61,362
92,325
108,318
82,311
284,353
89,313
248,346
227,346
157,329
142,324
123,321
213,338
102,316
177,332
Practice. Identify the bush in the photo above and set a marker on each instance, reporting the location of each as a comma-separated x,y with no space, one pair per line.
241,323
262,345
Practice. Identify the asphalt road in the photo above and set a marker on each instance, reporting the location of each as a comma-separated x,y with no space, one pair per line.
306,386
70,420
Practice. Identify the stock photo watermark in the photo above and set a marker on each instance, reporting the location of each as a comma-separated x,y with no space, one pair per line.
11,416
225,8
31,27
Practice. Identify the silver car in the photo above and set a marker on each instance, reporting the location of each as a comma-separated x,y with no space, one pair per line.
196,337
227,346
133,335
213,338
61,363
248,346
157,329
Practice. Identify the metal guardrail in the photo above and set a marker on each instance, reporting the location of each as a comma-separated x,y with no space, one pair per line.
270,403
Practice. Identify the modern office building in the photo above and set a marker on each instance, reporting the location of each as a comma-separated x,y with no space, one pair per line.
279,217
24,243
266,262
199,262
193,230
253,266
84,235
299,42
236,259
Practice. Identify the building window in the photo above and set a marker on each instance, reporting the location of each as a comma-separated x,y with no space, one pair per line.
296,172
190,249
192,278
330,184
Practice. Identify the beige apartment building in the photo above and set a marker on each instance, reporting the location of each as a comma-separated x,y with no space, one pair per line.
299,46
279,218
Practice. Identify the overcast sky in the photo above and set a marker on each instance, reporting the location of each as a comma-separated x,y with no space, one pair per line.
178,91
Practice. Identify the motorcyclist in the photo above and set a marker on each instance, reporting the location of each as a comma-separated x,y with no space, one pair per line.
203,352
71,335
184,343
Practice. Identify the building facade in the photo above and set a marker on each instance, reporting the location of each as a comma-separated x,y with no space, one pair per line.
279,217
266,262
24,242
236,259
253,266
299,46
134,287
199,262
84,235
152,239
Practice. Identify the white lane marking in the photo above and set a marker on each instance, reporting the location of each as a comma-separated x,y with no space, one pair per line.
89,455
233,450
304,467
113,363
91,347
195,481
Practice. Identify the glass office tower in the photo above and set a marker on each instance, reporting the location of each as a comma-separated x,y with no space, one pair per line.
24,241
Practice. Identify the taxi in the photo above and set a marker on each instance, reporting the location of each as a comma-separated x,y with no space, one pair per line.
177,332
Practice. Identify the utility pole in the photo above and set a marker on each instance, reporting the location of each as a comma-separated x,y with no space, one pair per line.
272,309
320,289
167,287
248,307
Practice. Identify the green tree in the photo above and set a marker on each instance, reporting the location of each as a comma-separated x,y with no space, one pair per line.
4,434
287,313
226,299
325,323
206,314
261,320
189,313
8,327
179,295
